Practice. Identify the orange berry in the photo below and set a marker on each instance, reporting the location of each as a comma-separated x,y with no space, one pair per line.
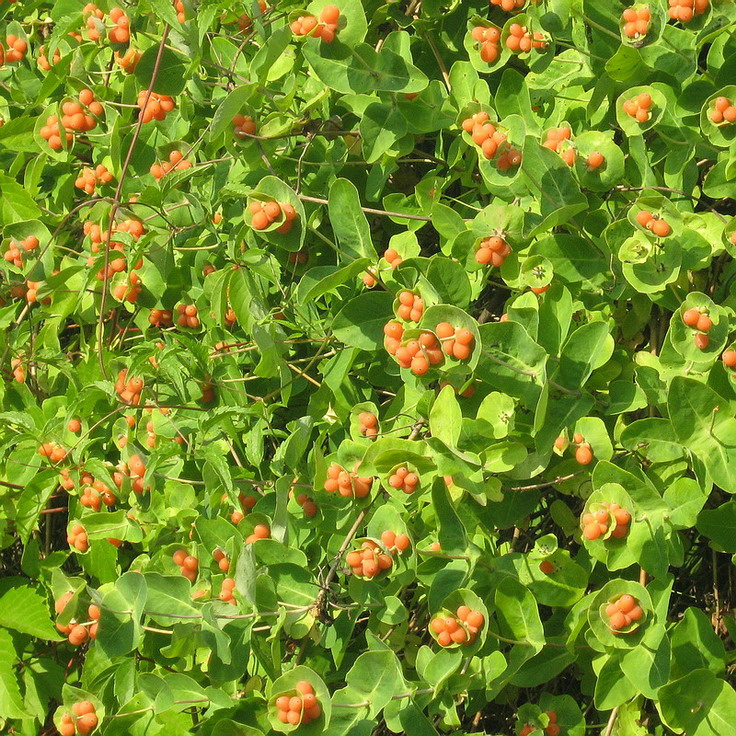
584,455
618,621
691,317
701,341
729,358
704,323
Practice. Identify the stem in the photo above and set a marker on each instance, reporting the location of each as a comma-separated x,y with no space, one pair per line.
370,210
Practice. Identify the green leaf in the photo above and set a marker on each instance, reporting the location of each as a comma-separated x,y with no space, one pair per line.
550,179
703,424
445,417
588,348
171,76
11,702
696,646
699,704
23,609
348,221
380,127
119,629
359,69
452,534
377,677
170,596
517,613
361,321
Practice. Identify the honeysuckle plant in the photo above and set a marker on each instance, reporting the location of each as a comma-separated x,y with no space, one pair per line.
368,366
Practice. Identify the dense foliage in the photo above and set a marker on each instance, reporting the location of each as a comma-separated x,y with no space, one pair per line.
367,367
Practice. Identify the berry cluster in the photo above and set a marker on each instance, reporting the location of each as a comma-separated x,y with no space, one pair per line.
639,107
368,561
623,612
395,542
583,452
94,22
44,62
347,484
78,114
188,565
150,434
404,480
77,633
392,257
418,355
157,106
488,38
655,223
128,291
636,22
494,250
221,559
187,316
95,493
180,14
55,453
484,134
368,424
551,729
16,249
81,720
128,61
19,373
32,292
596,523
226,591
128,389
137,471
554,141
699,319
161,317
459,629
686,10
266,213
134,228
521,40
77,538
457,343
245,22
510,5
15,48
120,32
724,111
52,132
326,28
176,161
309,506
67,482
411,307
246,503
260,531
393,333
243,125
90,178
301,708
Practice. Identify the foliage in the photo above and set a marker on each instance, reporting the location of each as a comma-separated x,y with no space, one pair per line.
388,372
